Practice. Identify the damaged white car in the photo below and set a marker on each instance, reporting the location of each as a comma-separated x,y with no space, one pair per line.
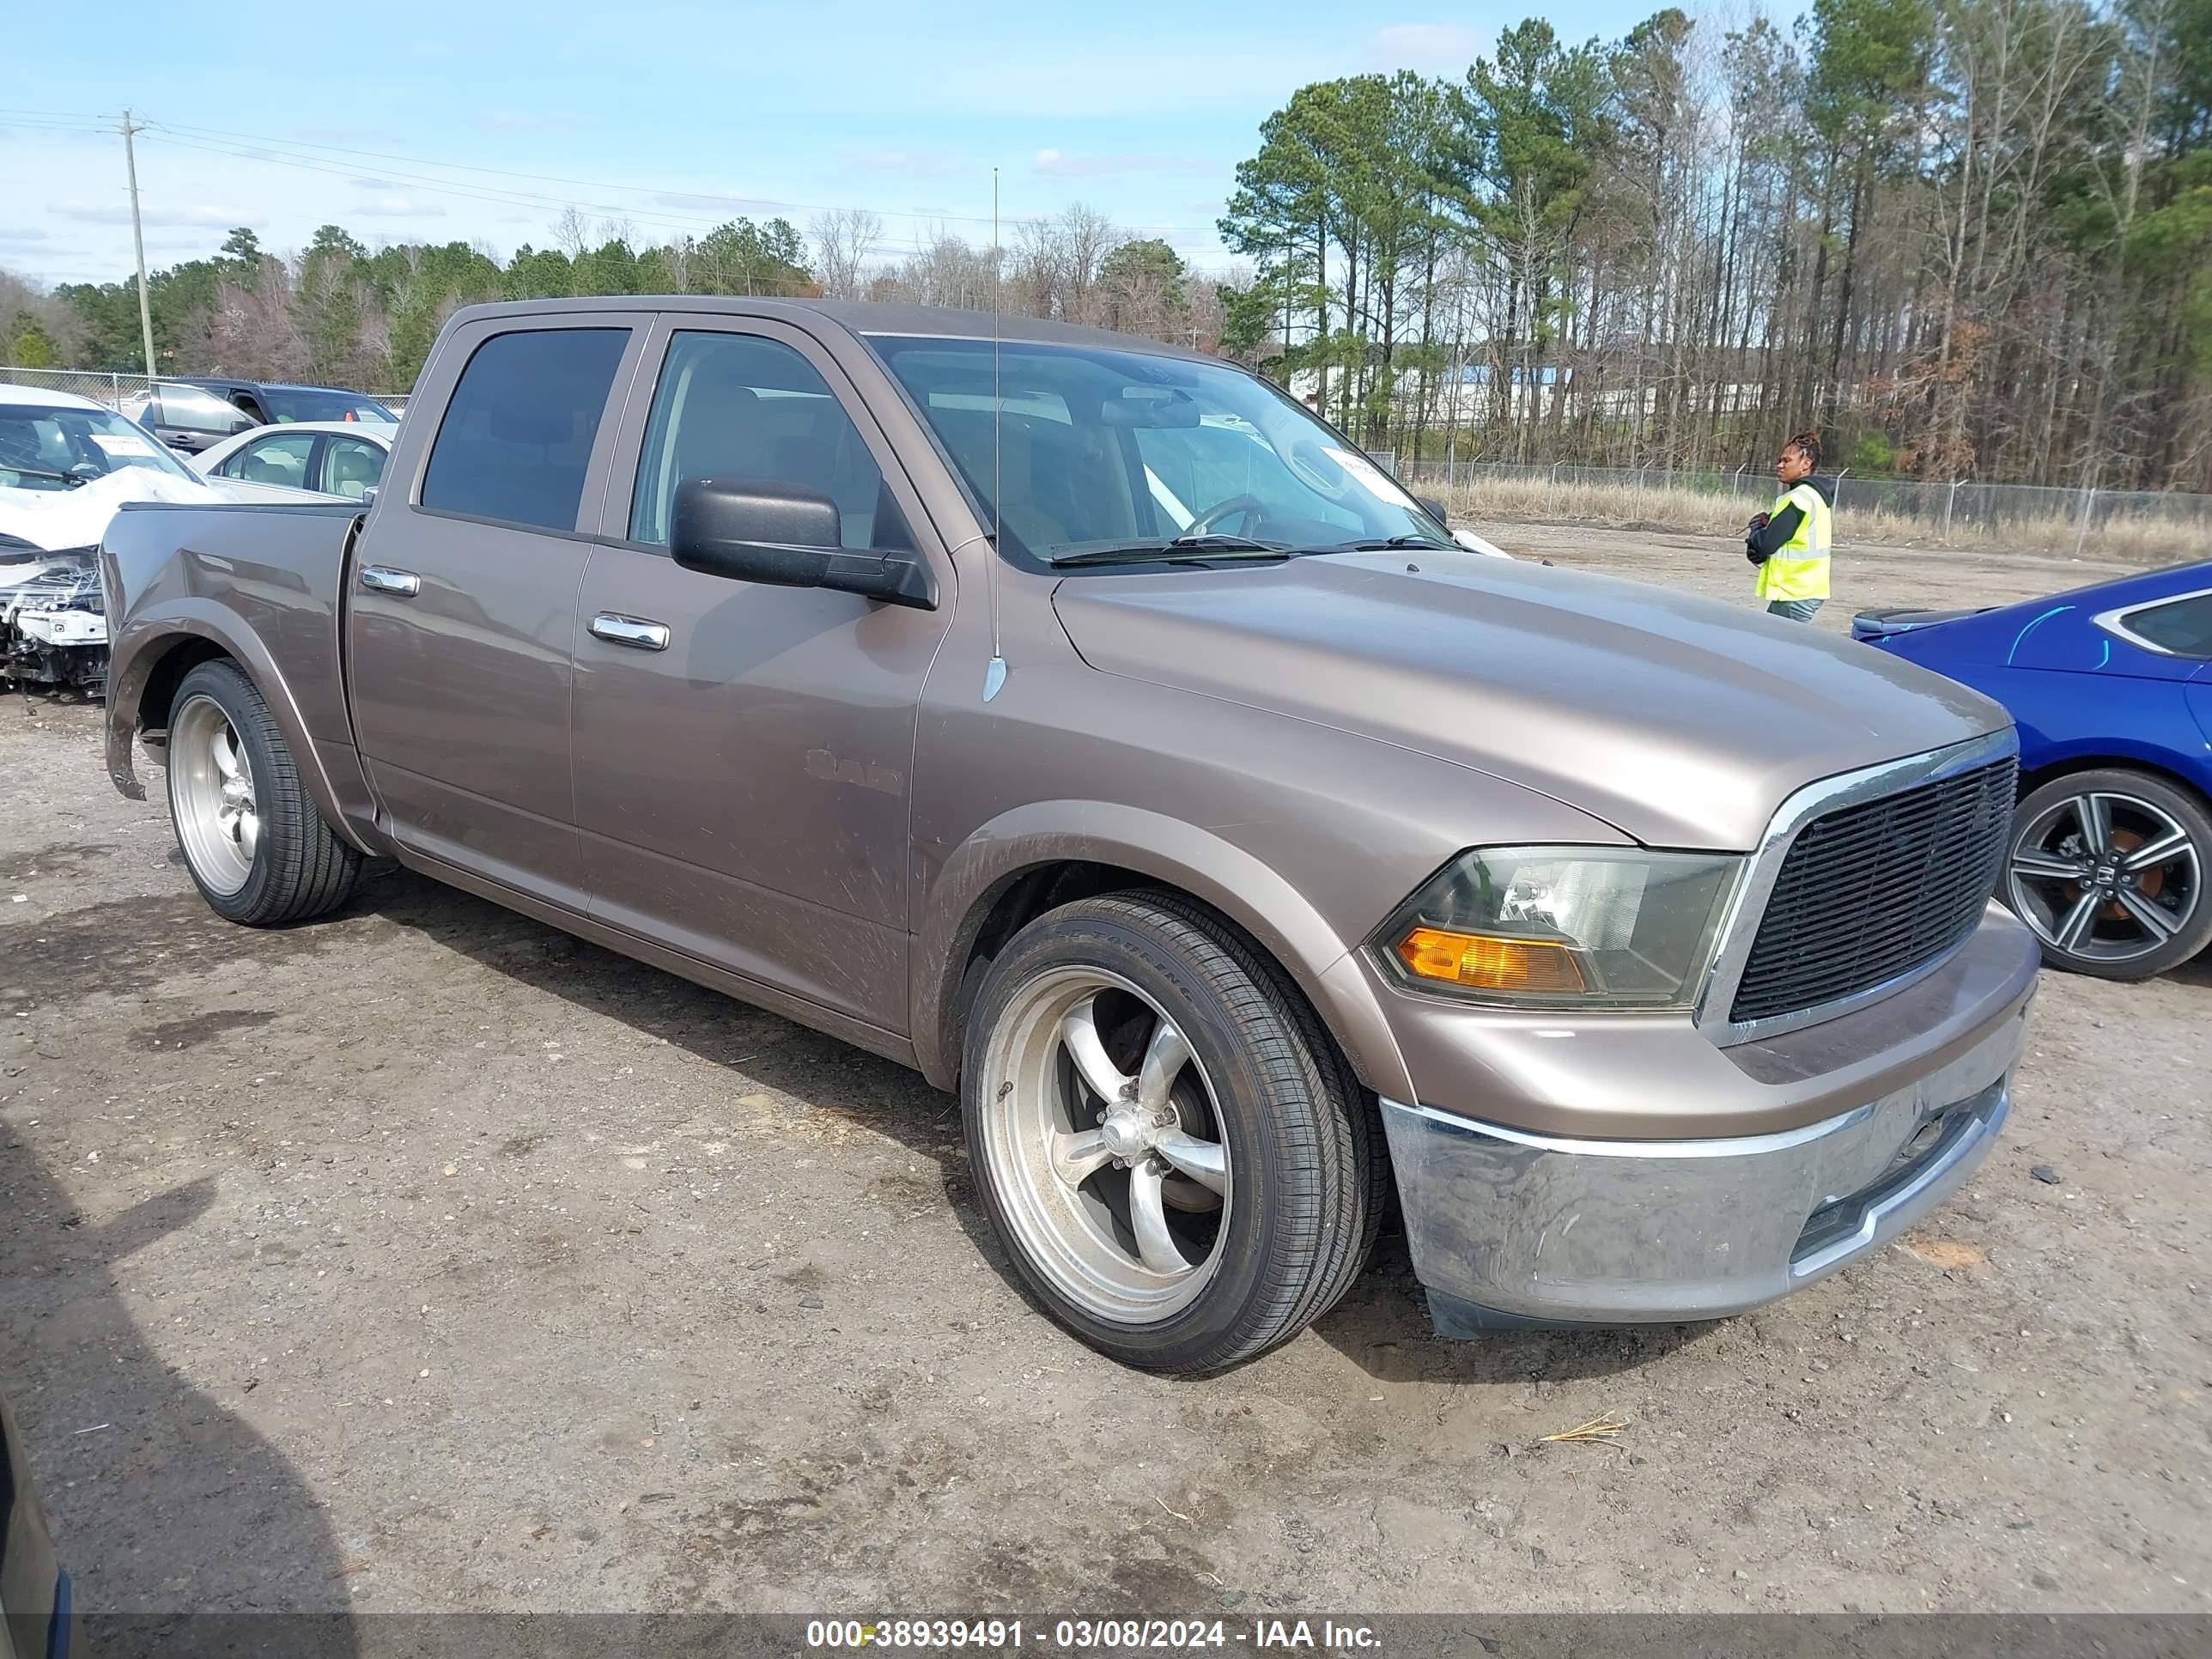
66,464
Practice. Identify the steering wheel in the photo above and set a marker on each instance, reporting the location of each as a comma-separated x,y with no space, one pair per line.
1251,504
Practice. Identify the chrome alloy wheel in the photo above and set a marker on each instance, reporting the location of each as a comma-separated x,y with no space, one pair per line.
212,787
2104,876
1104,1144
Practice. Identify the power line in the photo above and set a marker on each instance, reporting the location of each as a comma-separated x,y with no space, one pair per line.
498,199
297,149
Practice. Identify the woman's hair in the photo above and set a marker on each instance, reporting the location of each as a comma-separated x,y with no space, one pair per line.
1808,444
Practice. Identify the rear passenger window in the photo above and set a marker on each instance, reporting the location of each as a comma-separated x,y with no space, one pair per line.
740,407
2185,627
517,433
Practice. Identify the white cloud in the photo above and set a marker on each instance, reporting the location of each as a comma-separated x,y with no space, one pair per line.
906,163
690,202
508,120
118,213
395,207
1058,164
1444,49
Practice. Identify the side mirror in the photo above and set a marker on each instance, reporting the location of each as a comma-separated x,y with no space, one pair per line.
785,535
1434,508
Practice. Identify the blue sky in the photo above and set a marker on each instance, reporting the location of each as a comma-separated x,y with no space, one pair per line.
406,120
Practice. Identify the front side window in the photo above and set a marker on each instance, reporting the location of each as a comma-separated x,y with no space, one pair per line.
195,408
273,461
1082,449
741,407
517,437
351,467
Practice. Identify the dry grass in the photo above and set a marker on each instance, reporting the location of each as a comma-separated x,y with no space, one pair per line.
2126,540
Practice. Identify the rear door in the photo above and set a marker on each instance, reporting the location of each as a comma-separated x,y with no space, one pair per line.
744,751
349,466
461,617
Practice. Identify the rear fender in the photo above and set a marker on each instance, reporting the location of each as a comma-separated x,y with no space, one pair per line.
147,641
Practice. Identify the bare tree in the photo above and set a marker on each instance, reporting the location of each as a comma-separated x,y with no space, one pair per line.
844,240
572,232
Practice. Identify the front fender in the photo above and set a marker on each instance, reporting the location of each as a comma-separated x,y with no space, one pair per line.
1183,855
146,640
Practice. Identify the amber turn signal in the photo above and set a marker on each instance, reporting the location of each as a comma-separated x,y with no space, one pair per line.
1482,962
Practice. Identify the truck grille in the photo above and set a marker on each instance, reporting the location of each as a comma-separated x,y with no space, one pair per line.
1874,891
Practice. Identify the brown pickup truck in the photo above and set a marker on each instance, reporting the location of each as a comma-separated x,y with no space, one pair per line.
1082,722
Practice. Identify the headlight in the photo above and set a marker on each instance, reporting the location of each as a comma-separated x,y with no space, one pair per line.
1564,927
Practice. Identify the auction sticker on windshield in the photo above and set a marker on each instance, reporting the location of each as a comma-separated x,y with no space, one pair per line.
122,443
1379,484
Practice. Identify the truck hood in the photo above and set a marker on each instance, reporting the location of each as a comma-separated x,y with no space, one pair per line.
1680,721
57,518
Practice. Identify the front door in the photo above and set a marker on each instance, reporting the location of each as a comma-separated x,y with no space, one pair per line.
743,753
461,617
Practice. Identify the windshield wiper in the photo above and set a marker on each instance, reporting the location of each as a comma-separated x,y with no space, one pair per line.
1385,544
67,480
1184,550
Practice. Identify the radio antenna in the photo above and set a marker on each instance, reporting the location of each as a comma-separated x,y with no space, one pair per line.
994,675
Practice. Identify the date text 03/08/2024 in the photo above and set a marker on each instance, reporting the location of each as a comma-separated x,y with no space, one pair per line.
1089,1634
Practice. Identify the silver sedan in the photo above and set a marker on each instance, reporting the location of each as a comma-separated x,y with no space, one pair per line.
336,460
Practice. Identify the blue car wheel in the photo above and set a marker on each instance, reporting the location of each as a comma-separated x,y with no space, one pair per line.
2108,867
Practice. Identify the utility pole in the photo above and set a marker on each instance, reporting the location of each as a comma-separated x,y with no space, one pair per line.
138,240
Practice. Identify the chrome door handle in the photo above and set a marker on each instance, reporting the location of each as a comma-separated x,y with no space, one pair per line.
631,630
383,579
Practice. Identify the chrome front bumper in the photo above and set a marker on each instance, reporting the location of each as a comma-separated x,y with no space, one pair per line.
1510,1228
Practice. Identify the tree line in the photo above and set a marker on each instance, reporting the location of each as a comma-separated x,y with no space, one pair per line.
338,313
1960,238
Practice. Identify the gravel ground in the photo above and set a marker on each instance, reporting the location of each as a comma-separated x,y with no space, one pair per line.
426,1258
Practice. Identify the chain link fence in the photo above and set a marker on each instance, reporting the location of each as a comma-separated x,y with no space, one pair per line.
2145,524
109,390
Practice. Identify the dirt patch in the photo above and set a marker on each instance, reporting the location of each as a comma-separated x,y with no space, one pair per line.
478,1277
174,1034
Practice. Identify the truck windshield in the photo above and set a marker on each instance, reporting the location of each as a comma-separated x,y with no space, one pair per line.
1097,449
55,447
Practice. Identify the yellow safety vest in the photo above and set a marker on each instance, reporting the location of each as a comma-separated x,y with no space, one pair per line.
1798,569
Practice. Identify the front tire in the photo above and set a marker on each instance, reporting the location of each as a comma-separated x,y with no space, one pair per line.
1172,1151
2108,867
258,851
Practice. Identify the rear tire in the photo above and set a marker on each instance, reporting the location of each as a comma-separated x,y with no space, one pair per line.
258,849
1175,1155
2109,869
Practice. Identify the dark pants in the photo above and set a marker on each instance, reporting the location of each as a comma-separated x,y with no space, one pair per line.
1794,610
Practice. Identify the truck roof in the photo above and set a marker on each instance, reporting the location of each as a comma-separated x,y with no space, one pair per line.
860,317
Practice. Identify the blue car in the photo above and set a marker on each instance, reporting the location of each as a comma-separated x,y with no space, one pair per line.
2112,687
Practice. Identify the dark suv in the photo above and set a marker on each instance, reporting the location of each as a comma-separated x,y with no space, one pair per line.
198,413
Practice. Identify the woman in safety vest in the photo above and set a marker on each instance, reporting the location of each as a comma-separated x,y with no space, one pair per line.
1790,542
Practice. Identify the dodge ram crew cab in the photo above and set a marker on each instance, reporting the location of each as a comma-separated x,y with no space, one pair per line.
1082,722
